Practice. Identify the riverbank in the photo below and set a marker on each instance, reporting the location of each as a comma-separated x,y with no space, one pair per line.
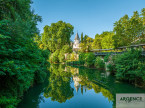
128,67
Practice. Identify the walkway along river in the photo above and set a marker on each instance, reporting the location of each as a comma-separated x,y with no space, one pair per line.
76,87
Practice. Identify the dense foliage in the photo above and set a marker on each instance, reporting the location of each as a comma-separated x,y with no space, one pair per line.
56,38
54,57
22,63
59,55
106,58
130,66
90,59
126,31
130,30
57,35
82,58
86,43
103,41
99,63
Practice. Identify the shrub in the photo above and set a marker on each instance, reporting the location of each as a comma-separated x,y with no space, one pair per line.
111,67
82,58
99,63
106,58
129,66
90,59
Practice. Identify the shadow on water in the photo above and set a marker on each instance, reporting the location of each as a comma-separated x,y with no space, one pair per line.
78,87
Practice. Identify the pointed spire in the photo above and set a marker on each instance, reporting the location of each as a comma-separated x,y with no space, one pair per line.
77,37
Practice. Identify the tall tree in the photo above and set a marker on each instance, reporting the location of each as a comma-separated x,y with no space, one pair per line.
85,39
108,41
21,62
100,41
143,15
129,30
87,43
82,37
57,35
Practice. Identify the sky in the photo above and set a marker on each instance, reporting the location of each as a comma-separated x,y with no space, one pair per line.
87,16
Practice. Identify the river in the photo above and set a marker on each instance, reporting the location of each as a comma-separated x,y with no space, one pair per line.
76,87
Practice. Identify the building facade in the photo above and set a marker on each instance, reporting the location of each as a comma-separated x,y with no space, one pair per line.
76,44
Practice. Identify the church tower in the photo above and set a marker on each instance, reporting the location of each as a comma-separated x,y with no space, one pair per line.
76,44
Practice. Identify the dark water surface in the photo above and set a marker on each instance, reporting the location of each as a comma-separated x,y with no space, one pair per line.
76,87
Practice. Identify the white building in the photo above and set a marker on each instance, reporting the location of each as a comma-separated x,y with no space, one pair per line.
76,45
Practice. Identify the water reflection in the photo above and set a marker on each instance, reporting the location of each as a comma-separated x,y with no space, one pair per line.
88,79
59,88
76,87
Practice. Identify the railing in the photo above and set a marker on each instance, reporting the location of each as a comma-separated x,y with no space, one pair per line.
112,53
107,53
99,52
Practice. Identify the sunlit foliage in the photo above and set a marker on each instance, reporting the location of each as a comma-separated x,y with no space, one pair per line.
22,63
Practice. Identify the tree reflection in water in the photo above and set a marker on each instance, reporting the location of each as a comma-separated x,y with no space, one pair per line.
67,82
59,88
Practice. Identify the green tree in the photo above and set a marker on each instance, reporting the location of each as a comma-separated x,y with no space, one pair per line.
87,44
22,63
54,58
103,41
97,42
57,35
82,37
129,30
90,59
66,49
143,15
108,41
85,39
130,67
99,63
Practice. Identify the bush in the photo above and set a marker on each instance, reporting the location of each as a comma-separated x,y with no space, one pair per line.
111,67
82,58
90,59
99,63
106,58
129,67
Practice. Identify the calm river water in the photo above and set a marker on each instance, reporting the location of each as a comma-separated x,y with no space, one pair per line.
76,87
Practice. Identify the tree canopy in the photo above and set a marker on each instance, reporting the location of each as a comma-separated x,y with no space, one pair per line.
57,35
22,63
129,30
104,40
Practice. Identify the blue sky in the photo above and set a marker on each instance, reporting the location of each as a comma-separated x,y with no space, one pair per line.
87,16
